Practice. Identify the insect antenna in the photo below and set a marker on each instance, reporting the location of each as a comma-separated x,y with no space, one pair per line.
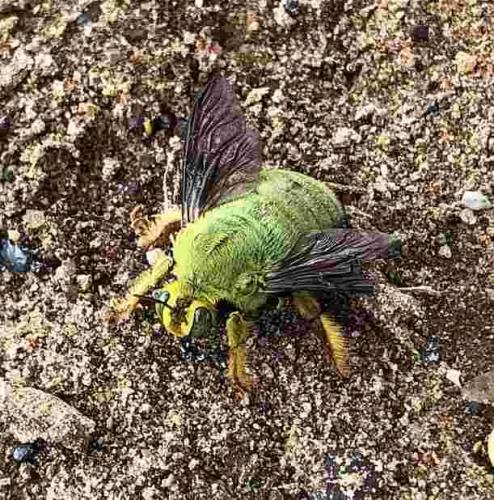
155,300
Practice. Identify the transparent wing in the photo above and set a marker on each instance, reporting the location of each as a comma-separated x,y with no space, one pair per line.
221,156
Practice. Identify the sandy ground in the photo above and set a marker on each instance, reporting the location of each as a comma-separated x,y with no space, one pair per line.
392,101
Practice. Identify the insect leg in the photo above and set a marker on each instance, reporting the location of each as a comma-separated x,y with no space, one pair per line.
238,330
144,282
309,308
159,230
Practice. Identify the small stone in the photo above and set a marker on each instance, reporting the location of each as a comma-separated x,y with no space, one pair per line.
114,56
33,414
480,388
475,200
256,95
26,453
281,16
5,124
110,167
468,217
454,376
168,482
14,235
430,354
34,219
445,251
465,62
420,33
83,19
13,74
84,282
366,112
13,258
473,408
432,110
490,448
344,136
292,7
44,63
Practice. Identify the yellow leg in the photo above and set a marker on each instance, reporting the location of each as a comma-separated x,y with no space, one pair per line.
159,230
145,281
310,309
238,330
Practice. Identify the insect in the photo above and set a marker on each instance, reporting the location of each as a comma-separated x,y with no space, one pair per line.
245,234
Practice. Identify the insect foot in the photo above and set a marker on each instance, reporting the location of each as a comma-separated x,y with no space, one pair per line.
331,333
149,279
238,331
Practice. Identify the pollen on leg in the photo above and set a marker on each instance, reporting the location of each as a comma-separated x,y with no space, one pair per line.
237,332
138,222
144,282
160,229
336,342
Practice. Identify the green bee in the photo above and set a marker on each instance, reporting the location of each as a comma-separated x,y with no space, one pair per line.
245,234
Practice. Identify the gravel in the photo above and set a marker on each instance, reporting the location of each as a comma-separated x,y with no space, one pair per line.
391,103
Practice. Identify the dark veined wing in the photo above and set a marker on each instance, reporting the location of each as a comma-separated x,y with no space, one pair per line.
221,157
331,262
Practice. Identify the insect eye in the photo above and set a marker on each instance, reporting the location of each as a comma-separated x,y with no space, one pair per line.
202,323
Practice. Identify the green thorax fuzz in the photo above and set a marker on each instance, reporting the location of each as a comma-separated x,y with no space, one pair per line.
225,253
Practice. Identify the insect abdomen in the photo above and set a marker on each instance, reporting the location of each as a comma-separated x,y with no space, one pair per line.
303,203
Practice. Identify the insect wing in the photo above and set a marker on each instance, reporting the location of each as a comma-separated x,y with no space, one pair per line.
221,157
331,261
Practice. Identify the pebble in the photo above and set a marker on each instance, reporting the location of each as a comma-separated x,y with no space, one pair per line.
445,251
292,7
255,95
8,5
454,376
420,33
33,414
430,354
490,448
84,282
480,388
281,16
465,62
12,257
13,74
26,453
83,19
473,408
468,217
110,167
5,125
344,136
33,219
475,200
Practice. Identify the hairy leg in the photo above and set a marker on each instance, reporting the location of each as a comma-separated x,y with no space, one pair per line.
308,306
158,230
238,330
143,283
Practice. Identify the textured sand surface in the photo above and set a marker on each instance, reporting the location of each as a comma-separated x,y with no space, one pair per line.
354,93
